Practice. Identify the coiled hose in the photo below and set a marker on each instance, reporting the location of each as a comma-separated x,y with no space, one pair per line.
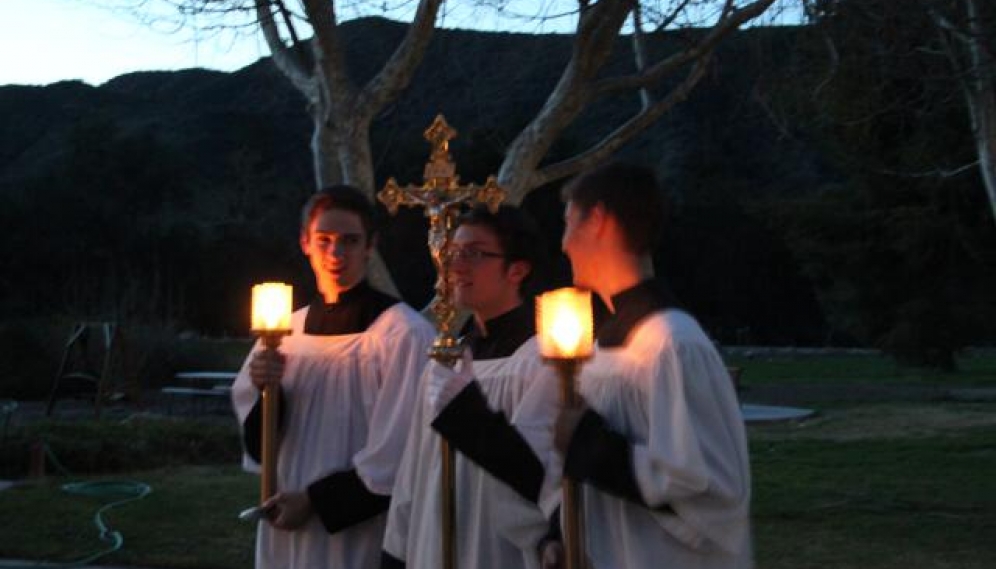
127,490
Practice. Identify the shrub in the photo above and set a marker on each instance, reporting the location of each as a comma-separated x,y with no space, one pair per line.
107,447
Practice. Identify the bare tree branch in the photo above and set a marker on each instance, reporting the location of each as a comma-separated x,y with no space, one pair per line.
635,125
579,86
597,29
947,25
937,173
731,20
287,59
640,53
834,56
670,18
394,77
946,30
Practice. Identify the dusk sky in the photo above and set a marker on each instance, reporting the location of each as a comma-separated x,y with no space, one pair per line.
45,41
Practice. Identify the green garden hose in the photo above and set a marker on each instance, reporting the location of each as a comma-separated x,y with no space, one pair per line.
128,490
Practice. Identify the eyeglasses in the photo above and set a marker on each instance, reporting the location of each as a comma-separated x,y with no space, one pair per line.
470,255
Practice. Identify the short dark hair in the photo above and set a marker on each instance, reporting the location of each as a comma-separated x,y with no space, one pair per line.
343,197
630,193
519,238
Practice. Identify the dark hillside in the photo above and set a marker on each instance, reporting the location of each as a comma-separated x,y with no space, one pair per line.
162,196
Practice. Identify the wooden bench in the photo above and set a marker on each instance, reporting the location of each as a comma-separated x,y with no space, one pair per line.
194,391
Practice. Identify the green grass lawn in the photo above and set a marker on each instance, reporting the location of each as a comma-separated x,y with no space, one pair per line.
881,485
927,502
189,520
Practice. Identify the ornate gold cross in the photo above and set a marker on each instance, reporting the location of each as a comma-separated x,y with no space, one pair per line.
442,196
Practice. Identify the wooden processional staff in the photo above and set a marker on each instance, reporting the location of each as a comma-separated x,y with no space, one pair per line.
442,196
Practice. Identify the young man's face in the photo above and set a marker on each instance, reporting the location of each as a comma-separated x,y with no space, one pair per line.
578,243
338,250
483,282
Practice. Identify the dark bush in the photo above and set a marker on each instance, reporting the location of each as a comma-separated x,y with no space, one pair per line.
29,359
107,447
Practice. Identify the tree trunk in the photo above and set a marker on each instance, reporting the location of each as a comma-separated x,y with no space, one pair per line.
982,95
342,111
985,142
323,152
343,157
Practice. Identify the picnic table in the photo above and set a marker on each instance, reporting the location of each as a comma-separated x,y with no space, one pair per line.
199,385
213,378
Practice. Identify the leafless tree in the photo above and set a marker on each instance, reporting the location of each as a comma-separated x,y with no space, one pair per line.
342,111
967,33
961,33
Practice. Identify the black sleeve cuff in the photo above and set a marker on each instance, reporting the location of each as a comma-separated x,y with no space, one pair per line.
602,457
388,561
487,438
252,438
342,500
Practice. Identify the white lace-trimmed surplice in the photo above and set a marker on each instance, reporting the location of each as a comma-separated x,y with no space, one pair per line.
347,404
496,527
668,391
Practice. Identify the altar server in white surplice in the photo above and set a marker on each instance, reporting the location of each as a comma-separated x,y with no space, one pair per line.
496,408
660,451
348,376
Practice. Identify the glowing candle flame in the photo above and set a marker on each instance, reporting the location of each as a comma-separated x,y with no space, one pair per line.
564,323
271,307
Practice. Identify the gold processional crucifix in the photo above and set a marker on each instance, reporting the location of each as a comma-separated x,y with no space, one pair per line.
442,196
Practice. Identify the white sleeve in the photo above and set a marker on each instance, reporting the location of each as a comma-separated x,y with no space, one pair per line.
400,353
523,522
399,515
695,457
534,418
245,394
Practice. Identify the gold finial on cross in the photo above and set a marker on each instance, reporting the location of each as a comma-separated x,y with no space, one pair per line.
441,196
440,166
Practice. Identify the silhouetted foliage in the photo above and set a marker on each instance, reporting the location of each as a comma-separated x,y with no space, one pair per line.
901,250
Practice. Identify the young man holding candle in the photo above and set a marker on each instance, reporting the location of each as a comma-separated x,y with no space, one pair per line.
347,376
500,479
660,450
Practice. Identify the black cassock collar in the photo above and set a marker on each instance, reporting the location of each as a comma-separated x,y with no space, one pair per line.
632,306
505,333
353,313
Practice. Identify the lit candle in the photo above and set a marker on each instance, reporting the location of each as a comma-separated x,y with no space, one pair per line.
564,323
272,304
564,332
271,308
